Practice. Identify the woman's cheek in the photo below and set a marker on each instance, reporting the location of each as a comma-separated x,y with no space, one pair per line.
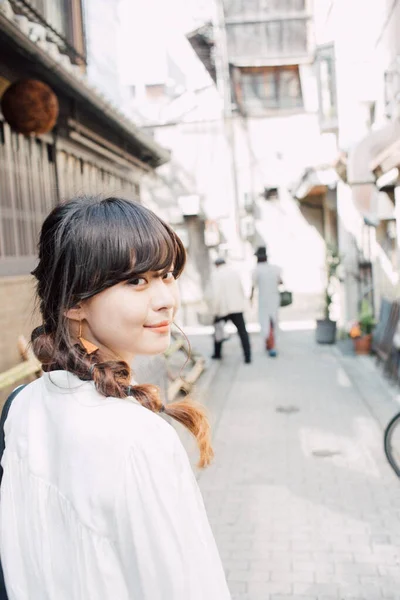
177,297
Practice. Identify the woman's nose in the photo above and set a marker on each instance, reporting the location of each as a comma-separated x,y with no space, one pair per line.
163,296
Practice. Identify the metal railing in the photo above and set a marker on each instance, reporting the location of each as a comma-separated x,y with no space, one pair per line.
32,11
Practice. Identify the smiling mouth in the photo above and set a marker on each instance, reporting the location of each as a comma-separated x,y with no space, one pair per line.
161,327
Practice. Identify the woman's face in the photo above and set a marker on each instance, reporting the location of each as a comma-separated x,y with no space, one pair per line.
133,317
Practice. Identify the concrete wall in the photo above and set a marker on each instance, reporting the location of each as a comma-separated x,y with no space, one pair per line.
102,38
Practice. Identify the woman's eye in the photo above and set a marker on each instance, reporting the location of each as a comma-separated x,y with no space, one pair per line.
137,281
169,275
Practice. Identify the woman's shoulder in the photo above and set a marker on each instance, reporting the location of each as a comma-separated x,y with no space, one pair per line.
129,420
80,407
130,412
145,435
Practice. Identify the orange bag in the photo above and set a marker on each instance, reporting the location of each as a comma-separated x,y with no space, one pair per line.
270,341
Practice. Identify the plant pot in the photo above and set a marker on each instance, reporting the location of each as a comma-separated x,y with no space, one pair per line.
326,331
362,345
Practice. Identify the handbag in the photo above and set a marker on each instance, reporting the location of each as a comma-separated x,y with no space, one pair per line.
286,298
270,342
219,331
4,415
205,319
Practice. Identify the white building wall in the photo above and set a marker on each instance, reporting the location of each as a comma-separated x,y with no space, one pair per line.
268,152
366,41
282,148
102,25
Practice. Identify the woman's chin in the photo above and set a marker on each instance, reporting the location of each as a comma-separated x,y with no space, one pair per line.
157,347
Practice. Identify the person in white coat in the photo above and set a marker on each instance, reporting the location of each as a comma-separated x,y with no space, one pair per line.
228,302
98,499
267,278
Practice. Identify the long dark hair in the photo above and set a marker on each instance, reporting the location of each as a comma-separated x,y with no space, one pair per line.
86,246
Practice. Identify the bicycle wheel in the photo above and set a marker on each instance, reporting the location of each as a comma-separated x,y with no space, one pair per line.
392,443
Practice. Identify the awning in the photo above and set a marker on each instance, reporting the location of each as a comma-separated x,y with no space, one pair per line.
386,161
372,203
362,156
202,42
315,181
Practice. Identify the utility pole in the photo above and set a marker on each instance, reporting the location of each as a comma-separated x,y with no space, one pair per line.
224,87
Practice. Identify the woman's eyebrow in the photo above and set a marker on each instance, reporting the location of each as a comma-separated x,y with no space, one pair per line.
154,274
161,272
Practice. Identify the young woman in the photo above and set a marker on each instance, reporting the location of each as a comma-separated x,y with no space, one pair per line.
98,500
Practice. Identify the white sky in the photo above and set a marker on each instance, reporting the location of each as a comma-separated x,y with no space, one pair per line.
148,29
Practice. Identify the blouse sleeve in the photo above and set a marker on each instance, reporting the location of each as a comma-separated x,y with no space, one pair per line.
166,546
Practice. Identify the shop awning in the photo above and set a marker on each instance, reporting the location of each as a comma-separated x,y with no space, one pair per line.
361,157
387,160
315,181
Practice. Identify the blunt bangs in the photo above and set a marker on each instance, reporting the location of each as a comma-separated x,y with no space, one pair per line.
117,239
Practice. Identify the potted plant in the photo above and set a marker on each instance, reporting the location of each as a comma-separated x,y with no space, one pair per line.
326,327
361,332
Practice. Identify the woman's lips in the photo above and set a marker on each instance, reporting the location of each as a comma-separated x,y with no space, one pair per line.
162,327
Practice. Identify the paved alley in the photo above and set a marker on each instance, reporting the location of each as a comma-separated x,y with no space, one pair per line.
301,499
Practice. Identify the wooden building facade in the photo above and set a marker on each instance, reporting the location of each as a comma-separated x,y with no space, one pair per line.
93,149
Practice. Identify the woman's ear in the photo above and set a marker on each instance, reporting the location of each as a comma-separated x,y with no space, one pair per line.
75,313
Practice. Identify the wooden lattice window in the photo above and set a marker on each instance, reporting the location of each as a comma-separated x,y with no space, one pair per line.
27,194
259,90
268,39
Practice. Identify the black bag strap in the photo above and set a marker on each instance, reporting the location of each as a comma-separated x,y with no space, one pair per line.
4,415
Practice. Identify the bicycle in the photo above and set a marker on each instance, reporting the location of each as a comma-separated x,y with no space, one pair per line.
392,443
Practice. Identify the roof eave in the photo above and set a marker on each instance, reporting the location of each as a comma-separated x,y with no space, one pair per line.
151,152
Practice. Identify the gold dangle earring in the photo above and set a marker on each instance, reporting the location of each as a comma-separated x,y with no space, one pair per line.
86,345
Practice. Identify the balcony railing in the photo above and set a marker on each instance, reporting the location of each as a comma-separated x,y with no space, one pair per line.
56,19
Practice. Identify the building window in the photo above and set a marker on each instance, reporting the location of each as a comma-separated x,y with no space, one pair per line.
268,39
63,21
325,63
392,89
155,92
56,14
27,194
265,7
259,90
387,240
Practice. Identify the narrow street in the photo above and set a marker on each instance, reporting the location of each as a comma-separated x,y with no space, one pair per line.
301,499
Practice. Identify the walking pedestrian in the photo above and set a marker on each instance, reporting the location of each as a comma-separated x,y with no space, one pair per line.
267,278
228,302
98,499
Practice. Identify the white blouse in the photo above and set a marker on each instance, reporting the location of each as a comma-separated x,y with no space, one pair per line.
99,502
